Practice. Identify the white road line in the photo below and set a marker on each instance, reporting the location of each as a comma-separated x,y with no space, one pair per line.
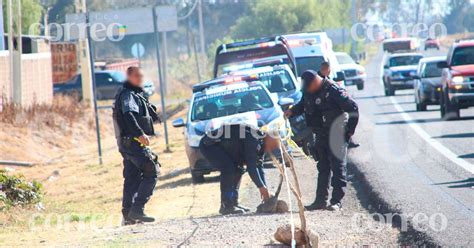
434,143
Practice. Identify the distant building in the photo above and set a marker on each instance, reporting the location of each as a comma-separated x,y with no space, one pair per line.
36,72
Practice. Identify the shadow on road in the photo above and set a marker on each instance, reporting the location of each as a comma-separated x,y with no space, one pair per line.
373,201
186,182
400,103
471,155
368,97
407,111
467,183
173,174
455,135
429,120
408,122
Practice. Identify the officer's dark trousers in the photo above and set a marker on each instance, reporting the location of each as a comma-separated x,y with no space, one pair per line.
140,177
332,160
231,173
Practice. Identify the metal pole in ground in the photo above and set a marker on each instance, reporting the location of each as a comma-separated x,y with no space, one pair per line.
10,47
354,20
160,77
94,86
165,62
201,33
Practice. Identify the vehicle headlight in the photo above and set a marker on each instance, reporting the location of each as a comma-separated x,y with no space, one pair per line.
193,140
458,80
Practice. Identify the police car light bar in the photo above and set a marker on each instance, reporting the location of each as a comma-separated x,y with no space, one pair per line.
222,81
303,42
237,67
268,62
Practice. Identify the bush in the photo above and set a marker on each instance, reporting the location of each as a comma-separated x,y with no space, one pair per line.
63,108
16,191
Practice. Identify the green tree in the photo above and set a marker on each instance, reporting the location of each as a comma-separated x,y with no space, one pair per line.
469,19
454,19
31,12
268,17
59,9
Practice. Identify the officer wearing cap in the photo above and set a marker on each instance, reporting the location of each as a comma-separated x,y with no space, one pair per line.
333,116
231,147
133,119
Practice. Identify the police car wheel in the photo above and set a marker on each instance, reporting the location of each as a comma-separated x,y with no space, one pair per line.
197,178
360,86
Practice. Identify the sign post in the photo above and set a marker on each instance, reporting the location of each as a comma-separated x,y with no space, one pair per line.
138,50
160,76
2,30
94,87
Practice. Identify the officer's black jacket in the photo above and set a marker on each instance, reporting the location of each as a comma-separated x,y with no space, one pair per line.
322,108
242,147
321,75
131,114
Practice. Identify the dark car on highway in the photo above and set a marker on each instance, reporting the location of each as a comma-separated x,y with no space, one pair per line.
108,82
395,45
399,71
457,79
428,82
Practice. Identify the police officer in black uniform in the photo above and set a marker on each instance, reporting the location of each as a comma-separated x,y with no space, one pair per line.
231,147
333,116
324,72
133,121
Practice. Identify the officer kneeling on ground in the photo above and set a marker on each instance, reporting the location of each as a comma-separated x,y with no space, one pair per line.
231,147
333,116
133,121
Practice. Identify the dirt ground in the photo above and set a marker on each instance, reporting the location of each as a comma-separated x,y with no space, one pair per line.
81,206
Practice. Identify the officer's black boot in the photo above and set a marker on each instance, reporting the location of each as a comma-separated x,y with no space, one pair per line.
137,214
335,206
246,209
317,205
227,209
126,221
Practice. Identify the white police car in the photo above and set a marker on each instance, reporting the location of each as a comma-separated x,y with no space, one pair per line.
228,100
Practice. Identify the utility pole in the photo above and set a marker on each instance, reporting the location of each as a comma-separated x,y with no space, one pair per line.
15,49
354,20
10,44
94,87
160,77
201,32
84,57
165,63
2,31
45,21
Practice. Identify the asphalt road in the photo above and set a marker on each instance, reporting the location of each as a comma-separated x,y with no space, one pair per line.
418,164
